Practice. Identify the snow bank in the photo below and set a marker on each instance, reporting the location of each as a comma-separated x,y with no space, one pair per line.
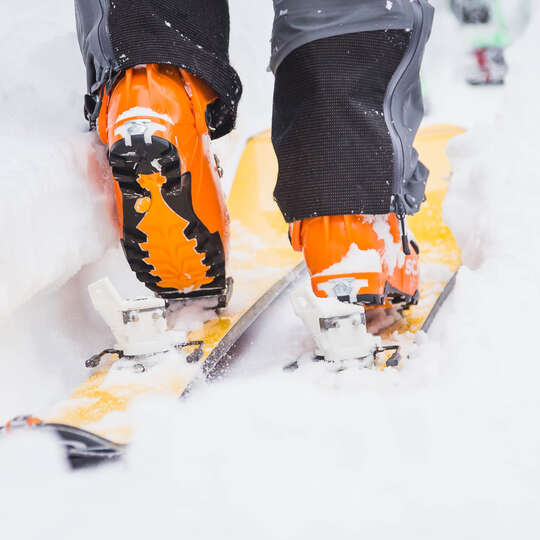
54,210
492,206
446,448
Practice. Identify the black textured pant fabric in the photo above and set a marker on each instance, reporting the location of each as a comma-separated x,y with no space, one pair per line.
191,34
329,132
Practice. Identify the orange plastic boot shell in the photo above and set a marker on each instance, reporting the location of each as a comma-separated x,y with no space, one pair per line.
326,241
171,209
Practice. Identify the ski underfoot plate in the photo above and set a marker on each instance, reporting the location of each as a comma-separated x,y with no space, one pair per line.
93,423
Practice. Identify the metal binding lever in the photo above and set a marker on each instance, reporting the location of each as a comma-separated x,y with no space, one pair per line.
95,360
175,301
197,353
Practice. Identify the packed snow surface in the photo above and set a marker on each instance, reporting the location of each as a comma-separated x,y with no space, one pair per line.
447,447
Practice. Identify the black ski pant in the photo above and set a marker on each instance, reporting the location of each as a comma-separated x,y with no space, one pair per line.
347,99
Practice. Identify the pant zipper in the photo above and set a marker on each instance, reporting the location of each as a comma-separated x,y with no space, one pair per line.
398,203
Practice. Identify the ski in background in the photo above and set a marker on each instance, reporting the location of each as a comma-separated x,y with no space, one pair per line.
491,27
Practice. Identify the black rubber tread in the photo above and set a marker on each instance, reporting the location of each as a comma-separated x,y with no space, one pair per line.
128,162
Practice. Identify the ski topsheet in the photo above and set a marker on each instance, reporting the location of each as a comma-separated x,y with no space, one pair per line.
94,422
440,256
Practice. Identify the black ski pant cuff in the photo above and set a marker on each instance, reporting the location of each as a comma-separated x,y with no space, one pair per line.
347,106
115,35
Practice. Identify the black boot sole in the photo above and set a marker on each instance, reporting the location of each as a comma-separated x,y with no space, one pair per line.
128,163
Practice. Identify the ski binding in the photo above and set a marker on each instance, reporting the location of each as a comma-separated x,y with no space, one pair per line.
139,327
339,330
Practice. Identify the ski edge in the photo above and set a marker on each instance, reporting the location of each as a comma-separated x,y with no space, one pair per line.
449,287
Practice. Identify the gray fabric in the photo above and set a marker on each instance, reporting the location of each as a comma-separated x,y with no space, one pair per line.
404,111
94,41
298,22
115,35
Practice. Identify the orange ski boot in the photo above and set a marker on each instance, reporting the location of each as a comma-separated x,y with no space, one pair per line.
359,259
356,263
171,210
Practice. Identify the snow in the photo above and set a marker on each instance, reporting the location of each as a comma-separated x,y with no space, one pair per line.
393,251
143,111
446,447
356,260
